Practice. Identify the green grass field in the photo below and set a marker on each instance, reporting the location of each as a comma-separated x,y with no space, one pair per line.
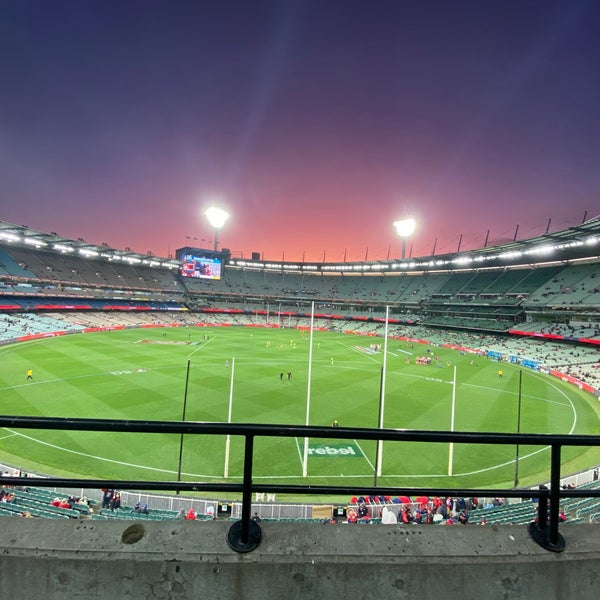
141,374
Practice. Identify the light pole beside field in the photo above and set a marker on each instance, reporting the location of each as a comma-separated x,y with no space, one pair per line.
217,217
404,229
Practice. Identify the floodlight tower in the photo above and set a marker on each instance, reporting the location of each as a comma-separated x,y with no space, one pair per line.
404,229
217,217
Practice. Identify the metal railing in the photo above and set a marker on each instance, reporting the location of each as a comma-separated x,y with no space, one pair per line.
245,534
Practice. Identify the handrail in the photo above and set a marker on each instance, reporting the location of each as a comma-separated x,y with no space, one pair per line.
245,534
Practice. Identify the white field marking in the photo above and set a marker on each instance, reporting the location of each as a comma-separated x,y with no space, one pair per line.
363,354
278,477
404,351
300,456
299,361
426,377
208,341
146,370
4,437
442,475
99,458
508,392
13,346
511,462
101,374
562,392
296,361
357,444
505,464
171,471
365,456
416,476
547,401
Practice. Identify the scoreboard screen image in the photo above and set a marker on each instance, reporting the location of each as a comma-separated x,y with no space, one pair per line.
201,267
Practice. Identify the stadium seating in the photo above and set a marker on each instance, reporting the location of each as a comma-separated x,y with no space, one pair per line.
465,308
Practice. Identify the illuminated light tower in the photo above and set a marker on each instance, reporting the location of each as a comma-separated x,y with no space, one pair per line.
217,217
404,229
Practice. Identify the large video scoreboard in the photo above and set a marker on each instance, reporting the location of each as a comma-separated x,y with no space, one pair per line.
200,264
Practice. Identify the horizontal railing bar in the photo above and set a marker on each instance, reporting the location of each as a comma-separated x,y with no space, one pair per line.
273,430
245,535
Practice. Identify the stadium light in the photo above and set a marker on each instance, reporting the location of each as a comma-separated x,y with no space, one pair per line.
404,229
217,217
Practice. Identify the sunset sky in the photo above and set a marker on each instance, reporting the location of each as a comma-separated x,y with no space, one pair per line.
316,123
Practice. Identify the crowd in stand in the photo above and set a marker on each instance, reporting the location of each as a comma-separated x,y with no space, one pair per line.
423,510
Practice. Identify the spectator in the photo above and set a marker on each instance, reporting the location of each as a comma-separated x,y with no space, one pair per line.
83,501
115,503
406,515
107,496
388,517
363,511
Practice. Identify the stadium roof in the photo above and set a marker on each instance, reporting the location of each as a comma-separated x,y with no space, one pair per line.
22,235
575,243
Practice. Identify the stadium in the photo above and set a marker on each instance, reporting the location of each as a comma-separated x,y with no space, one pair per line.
336,372
287,395
500,339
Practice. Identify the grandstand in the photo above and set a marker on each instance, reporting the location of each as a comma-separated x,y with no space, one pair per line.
546,289
515,300
502,287
542,286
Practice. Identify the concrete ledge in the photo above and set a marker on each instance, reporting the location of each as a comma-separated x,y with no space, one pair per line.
57,559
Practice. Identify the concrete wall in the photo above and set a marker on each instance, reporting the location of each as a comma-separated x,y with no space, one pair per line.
56,559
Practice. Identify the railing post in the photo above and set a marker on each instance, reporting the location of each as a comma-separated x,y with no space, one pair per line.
542,521
555,538
549,537
245,535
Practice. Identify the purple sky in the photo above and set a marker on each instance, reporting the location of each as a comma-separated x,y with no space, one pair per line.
316,123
